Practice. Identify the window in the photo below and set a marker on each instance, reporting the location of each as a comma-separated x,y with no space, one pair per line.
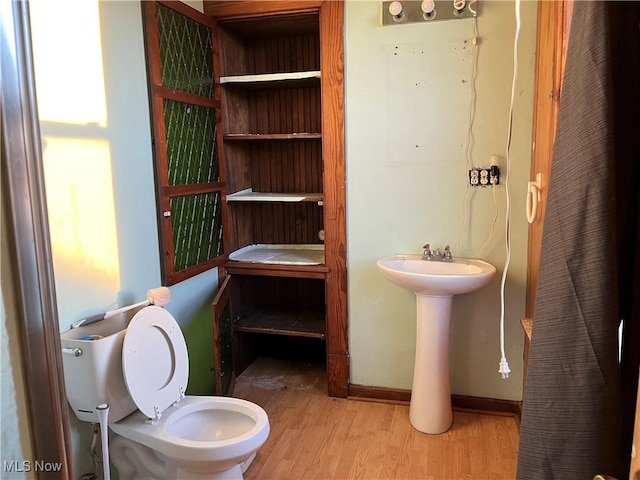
185,116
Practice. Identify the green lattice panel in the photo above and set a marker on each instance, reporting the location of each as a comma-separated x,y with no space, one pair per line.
192,151
196,229
186,53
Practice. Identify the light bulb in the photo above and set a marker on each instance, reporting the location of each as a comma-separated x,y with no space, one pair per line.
459,5
395,9
428,8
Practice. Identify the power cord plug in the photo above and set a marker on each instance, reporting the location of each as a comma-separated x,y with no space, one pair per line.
504,368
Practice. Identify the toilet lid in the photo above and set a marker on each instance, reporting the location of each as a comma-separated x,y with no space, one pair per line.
155,362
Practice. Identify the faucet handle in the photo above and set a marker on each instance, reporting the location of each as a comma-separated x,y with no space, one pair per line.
426,246
447,254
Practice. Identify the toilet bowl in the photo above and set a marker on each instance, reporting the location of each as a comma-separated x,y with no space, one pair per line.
140,367
204,437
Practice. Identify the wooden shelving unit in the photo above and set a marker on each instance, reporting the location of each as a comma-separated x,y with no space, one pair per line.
271,102
282,141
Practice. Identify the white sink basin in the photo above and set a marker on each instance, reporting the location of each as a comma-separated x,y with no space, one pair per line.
425,277
434,283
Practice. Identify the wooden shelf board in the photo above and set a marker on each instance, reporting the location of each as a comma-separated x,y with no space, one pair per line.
273,80
271,270
280,254
261,137
249,195
296,324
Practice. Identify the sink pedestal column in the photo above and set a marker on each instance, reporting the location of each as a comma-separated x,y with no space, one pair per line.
430,408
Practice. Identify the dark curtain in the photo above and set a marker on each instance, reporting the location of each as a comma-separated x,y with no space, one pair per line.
579,400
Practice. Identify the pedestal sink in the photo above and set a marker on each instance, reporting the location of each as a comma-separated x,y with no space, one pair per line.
434,283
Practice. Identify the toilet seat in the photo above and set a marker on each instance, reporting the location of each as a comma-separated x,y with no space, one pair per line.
155,362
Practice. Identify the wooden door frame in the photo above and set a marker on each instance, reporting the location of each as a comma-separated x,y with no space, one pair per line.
554,21
29,286
554,18
334,181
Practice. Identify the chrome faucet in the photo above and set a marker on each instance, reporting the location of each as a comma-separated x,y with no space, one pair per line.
447,257
436,255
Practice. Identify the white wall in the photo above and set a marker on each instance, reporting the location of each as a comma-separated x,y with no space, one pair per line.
408,94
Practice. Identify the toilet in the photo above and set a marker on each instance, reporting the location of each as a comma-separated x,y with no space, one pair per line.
137,363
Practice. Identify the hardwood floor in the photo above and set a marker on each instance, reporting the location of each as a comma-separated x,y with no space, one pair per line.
314,436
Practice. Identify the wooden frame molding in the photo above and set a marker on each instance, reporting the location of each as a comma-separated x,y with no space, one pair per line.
239,9
458,402
554,19
554,22
332,92
30,276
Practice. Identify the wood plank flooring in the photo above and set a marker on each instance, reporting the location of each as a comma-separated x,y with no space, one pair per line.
314,436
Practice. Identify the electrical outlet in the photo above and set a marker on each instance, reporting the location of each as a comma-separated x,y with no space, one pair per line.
494,175
474,179
484,177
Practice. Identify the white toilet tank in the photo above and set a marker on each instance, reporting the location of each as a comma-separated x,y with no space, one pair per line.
95,375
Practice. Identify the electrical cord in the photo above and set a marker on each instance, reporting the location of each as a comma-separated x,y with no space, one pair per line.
467,154
472,104
472,100
503,367
471,7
